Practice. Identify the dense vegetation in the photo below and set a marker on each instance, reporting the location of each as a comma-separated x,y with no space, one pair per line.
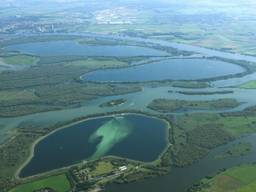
168,105
195,134
240,149
206,92
113,103
13,154
51,87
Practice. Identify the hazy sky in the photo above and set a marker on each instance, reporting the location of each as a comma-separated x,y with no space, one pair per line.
194,3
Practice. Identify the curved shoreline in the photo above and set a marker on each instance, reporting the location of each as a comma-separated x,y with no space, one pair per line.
175,45
37,141
34,144
149,43
246,70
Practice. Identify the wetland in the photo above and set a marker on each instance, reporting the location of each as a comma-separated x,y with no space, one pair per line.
40,100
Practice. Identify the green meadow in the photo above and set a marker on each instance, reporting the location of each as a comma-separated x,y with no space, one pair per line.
249,85
237,179
58,183
21,60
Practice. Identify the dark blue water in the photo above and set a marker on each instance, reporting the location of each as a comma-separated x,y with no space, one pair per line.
173,69
73,144
59,48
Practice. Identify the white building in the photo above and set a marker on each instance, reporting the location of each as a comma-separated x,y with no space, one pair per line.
123,168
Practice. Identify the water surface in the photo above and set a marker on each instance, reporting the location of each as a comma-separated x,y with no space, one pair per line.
128,136
172,69
64,48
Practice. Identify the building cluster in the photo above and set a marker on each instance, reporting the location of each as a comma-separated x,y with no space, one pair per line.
84,175
116,16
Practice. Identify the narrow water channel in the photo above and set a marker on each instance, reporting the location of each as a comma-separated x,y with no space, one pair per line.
180,179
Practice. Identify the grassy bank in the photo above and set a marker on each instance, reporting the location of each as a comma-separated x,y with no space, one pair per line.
21,59
249,85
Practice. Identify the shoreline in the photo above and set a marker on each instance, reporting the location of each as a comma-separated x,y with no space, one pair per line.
246,71
97,116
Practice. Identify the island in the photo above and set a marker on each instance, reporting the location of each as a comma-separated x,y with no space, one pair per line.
168,105
113,103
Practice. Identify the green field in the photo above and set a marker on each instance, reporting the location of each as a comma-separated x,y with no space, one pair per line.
21,60
249,85
102,168
58,183
237,179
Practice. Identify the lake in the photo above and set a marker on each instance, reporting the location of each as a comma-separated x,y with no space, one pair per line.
172,69
129,136
69,47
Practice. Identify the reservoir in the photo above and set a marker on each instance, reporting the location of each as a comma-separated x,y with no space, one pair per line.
71,48
172,69
129,136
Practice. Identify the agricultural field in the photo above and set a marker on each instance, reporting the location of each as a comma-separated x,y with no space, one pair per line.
57,183
240,179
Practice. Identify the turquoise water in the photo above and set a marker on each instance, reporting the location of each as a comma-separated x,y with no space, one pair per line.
128,136
111,133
